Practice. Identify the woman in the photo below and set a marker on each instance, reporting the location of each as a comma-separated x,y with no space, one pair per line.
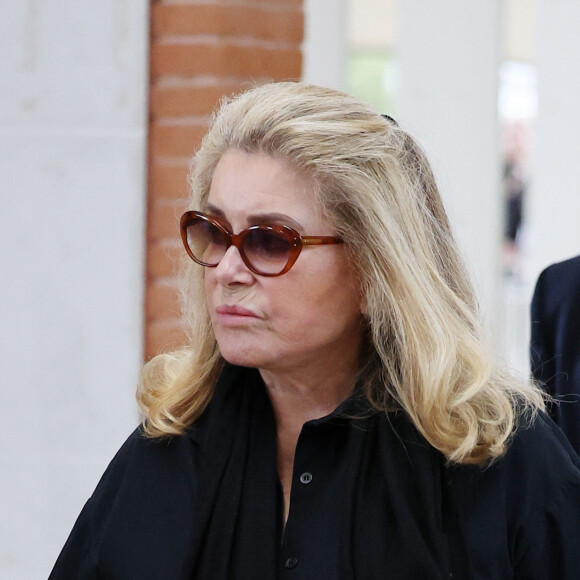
337,414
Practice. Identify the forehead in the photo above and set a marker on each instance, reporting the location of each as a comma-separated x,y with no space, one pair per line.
252,183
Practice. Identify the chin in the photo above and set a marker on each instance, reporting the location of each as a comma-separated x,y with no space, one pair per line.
240,347
242,357
235,359
246,358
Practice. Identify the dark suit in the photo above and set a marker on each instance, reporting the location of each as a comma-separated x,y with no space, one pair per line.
555,342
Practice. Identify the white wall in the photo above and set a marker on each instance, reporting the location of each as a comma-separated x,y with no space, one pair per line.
73,77
554,198
448,57
324,48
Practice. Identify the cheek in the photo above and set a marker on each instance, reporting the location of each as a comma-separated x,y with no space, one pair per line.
317,302
208,286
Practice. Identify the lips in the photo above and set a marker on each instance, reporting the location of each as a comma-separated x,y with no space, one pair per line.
225,310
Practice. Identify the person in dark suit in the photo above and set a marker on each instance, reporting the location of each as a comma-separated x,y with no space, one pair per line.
555,342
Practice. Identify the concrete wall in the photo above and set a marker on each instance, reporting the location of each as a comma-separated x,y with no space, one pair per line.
72,159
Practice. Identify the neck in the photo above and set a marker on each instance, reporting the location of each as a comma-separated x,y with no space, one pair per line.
298,397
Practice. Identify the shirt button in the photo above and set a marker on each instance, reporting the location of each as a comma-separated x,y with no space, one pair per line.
306,478
291,563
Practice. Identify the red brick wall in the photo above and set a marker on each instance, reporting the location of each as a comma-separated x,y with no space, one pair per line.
200,51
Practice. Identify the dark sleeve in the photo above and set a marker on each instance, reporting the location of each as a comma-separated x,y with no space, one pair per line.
139,521
549,544
78,558
542,343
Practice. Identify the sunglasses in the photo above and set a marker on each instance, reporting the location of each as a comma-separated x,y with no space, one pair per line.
265,250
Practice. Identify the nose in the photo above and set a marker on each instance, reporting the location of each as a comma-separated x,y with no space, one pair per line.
232,270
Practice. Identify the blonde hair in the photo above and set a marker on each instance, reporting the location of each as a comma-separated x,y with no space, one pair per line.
426,352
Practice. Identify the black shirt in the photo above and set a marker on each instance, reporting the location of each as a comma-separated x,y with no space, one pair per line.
370,499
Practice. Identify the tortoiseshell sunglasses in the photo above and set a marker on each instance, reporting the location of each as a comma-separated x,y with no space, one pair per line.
266,250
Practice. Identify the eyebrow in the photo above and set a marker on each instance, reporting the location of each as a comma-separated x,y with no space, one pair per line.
259,218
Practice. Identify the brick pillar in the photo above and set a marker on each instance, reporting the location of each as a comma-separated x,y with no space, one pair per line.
200,51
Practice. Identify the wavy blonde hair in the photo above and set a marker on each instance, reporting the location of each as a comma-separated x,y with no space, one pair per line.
426,351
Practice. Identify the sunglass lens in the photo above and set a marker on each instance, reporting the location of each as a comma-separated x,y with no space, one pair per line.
207,243
267,251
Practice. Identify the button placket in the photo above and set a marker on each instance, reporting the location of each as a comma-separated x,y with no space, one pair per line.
311,451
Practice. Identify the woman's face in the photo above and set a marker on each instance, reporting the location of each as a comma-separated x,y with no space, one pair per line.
311,314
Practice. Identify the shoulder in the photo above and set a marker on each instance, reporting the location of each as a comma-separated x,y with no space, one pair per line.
565,272
144,467
147,482
141,450
523,508
538,470
540,448
571,265
542,479
556,290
